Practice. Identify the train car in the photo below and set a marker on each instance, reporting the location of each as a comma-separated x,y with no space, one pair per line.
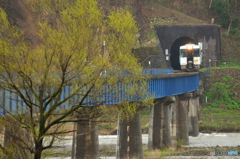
190,57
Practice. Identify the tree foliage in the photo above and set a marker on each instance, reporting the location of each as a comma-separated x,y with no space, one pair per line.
67,71
228,11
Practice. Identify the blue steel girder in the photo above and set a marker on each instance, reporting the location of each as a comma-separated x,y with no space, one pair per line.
173,85
161,84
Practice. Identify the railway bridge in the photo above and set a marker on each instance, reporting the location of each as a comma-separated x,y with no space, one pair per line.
173,117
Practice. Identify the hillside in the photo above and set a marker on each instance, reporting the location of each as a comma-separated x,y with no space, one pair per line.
175,12
150,13
147,13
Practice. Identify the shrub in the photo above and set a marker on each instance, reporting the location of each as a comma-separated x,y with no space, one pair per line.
219,90
218,111
210,108
216,103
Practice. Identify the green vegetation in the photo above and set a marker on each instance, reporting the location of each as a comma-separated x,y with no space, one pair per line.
228,11
222,111
222,94
60,153
232,63
219,120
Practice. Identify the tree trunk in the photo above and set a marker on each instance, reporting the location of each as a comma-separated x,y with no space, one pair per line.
38,154
38,149
229,27
210,4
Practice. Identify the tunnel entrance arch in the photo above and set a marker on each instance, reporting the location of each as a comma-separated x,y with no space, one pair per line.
174,52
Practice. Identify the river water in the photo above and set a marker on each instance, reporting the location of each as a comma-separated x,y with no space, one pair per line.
202,140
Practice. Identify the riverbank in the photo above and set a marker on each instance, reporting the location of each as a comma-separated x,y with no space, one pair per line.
198,146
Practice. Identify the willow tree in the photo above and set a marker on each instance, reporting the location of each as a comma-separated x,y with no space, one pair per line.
43,85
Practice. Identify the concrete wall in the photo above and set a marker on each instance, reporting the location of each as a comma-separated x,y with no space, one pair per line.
153,54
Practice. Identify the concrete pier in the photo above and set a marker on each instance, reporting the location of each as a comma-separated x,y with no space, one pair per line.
182,133
121,150
135,138
150,129
200,97
159,123
166,125
173,124
193,114
136,149
201,89
85,140
197,103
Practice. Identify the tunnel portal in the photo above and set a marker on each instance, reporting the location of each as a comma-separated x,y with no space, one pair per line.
172,36
174,52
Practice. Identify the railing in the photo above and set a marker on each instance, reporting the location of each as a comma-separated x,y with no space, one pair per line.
154,61
158,88
109,73
208,72
153,71
125,73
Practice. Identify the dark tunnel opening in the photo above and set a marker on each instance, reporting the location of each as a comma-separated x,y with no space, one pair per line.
175,51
